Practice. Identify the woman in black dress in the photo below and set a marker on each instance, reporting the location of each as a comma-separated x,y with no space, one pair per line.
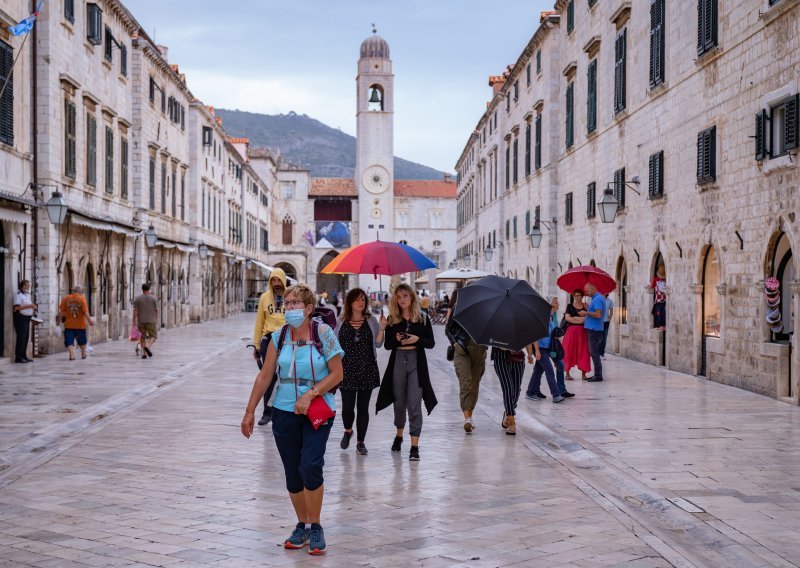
359,335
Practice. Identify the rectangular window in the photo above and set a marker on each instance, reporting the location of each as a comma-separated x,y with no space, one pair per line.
538,61
123,60
69,11
570,16
508,229
123,168
656,175
619,188
173,181
707,155
183,197
264,240
163,102
516,91
94,24
537,155
569,123
152,90
109,160
163,187
206,136
657,45
91,150
515,226
777,132
109,45
591,200
528,75
528,149
183,117
152,183
7,100
568,209
203,208
537,215
516,160
619,71
591,97
706,25
508,102
508,166
70,133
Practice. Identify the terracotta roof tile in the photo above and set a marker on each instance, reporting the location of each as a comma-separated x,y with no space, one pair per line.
425,188
330,187
239,140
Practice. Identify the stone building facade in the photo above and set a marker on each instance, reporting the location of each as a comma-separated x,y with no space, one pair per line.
686,112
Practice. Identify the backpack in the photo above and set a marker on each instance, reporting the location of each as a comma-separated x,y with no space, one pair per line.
315,338
325,315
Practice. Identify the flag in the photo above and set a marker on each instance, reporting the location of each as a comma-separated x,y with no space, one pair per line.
26,25
309,237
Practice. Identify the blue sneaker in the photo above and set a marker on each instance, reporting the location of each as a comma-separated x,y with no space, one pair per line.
316,542
299,537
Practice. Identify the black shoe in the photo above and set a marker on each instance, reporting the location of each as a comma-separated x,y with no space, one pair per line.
144,356
398,441
265,419
361,449
413,455
20,360
595,380
27,360
540,395
147,350
345,443
566,394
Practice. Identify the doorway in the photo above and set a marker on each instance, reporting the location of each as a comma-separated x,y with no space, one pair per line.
711,314
783,268
659,311
329,282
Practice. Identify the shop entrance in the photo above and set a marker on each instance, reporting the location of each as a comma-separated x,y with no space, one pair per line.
710,313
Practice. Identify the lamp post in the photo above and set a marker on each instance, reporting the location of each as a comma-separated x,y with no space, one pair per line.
202,251
608,206
56,208
535,236
150,236
488,252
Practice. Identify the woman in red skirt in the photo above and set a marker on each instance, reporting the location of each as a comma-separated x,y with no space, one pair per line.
575,342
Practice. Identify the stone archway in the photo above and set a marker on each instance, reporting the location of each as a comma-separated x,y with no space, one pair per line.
288,269
781,264
329,282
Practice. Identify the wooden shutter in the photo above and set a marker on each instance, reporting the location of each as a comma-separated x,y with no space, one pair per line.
174,193
70,127
537,215
538,61
570,16
528,150
538,147
152,90
527,222
69,11
790,134
657,43
568,209
515,226
123,60
163,187
706,25
123,169
109,46
516,160
762,135
183,197
591,97
109,160
656,175
508,167
287,231
619,188
7,100
706,155
91,150
619,71
591,200
569,134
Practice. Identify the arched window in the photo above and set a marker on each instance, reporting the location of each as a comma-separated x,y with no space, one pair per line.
288,226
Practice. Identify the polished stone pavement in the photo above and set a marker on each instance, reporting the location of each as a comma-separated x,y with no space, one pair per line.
115,461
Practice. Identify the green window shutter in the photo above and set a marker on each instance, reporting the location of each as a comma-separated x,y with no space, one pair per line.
515,226
706,155
70,147
591,97
508,229
538,61
7,100
163,187
619,71
569,132
619,188
528,149
91,150
790,133
527,222
516,161
109,160
152,183
508,167
591,200
762,134
538,147
123,170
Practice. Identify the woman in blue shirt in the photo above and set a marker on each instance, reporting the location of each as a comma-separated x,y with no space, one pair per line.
305,371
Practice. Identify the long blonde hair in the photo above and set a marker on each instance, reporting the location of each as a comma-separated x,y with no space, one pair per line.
396,312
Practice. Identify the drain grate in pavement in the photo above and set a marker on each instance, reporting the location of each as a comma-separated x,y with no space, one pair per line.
687,506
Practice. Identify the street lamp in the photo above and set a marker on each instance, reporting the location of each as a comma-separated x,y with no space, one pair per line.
56,208
535,236
150,236
453,264
467,259
202,251
608,206
488,252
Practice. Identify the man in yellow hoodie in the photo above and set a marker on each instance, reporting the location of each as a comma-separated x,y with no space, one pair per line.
269,319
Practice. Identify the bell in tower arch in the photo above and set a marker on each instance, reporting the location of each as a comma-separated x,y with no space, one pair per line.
376,98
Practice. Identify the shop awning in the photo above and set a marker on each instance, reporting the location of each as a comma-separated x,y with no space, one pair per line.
14,216
98,225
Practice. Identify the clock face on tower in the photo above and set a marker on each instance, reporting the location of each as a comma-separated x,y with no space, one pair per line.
375,179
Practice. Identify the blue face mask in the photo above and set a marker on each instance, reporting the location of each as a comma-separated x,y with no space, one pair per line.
295,317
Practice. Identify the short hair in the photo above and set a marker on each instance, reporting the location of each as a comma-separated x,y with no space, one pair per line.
77,288
578,291
146,287
301,292
22,283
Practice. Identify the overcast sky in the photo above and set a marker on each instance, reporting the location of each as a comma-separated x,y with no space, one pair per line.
276,56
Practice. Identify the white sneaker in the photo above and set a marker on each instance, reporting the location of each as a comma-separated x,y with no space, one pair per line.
468,425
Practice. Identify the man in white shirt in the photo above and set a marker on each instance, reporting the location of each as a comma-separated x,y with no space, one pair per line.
23,311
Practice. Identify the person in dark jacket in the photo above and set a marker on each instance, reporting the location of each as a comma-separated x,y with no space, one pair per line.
406,382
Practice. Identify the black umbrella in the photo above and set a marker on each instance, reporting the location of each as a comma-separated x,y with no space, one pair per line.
502,312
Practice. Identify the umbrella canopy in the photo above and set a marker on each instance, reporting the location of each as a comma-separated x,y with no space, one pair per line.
379,257
578,277
460,274
503,312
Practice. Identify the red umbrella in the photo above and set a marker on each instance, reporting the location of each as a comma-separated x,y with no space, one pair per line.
578,277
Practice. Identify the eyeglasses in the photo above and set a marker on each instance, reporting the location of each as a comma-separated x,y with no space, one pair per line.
294,304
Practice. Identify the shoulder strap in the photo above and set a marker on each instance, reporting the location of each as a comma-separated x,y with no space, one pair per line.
315,323
282,337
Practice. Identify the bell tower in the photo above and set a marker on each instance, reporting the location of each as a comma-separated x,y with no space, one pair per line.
374,173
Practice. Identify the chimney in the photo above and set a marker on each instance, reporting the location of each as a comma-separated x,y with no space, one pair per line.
448,178
496,82
164,52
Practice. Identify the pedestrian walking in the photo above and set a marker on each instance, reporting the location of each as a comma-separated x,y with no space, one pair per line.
425,304
23,312
406,382
659,288
607,324
550,364
576,348
469,361
269,319
510,366
308,365
73,313
594,316
359,334
145,318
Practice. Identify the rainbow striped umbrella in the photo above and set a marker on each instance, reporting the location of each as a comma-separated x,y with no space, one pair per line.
379,257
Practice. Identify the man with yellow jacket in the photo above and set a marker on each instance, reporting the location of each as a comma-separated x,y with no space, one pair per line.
269,319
